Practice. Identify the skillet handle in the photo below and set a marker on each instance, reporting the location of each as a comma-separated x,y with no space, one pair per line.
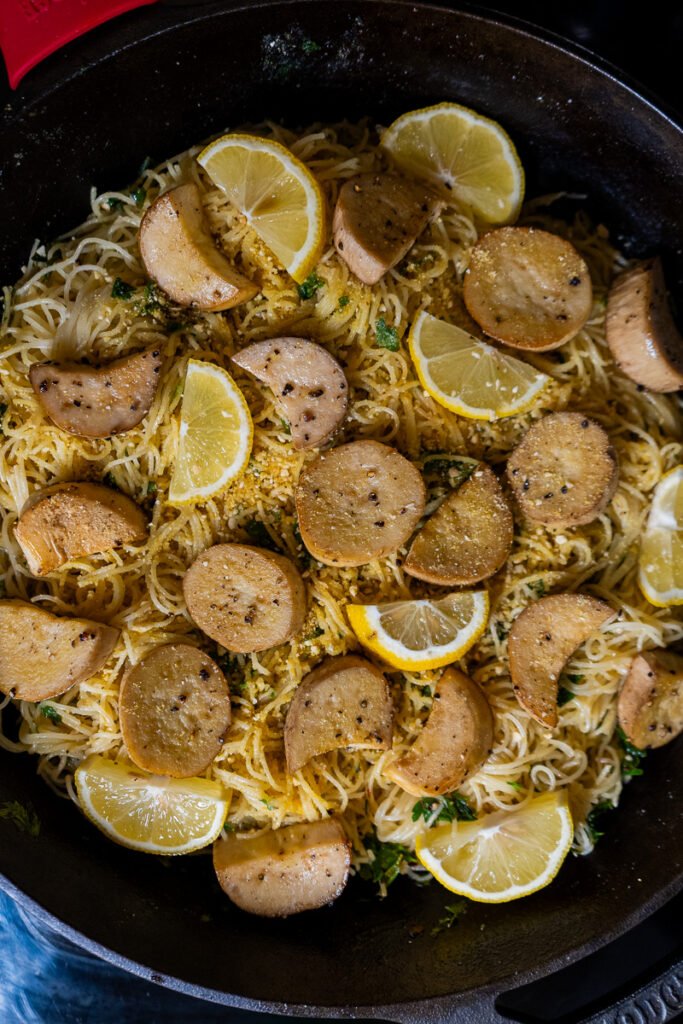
31,30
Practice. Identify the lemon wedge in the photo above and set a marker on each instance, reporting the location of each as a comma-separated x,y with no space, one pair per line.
277,194
661,550
419,635
467,375
150,812
502,856
465,155
216,435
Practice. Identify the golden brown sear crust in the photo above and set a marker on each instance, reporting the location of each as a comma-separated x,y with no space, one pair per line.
245,598
454,742
528,288
71,520
468,538
174,710
650,707
43,655
358,502
564,472
542,640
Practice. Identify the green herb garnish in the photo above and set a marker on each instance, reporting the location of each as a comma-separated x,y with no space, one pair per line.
109,481
453,807
517,786
314,634
50,711
145,166
344,301
387,861
121,289
269,804
138,195
309,45
310,286
564,696
593,819
152,487
385,336
454,912
501,631
426,691
537,587
114,204
24,818
631,766
258,533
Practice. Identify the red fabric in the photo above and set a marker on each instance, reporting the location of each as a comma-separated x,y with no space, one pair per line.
30,30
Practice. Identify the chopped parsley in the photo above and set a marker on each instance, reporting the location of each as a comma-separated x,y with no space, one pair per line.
537,587
314,634
426,691
24,818
150,300
257,532
152,487
145,166
453,807
138,195
109,481
269,804
517,786
594,819
309,45
310,286
386,863
114,203
564,696
454,912
121,289
50,711
385,336
631,766
285,427
501,631
450,468
344,301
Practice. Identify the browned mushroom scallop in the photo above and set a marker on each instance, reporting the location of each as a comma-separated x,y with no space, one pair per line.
377,219
309,385
542,640
174,710
358,502
469,536
641,331
454,743
42,655
345,702
246,598
284,871
650,707
528,288
565,471
67,521
179,253
98,401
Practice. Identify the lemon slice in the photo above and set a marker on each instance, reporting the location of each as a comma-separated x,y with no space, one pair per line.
419,635
150,812
661,550
467,156
467,375
504,855
277,194
216,434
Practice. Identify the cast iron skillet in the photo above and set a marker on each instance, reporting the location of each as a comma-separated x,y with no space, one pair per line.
154,83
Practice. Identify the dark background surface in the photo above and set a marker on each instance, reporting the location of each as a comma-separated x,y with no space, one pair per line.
42,980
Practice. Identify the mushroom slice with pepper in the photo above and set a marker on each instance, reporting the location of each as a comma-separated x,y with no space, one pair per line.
650,706
542,640
67,521
528,288
180,254
98,401
358,502
309,385
564,472
454,743
42,655
377,219
641,332
344,703
174,710
286,870
245,598
468,538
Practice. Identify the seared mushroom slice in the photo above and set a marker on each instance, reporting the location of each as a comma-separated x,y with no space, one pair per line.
344,703
286,870
174,711
179,253
468,538
454,743
67,521
564,472
528,288
358,502
42,655
641,332
650,707
245,598
377,219
309,385
542,640
98,401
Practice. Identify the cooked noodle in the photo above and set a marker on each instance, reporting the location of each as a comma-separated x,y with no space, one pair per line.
63,309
